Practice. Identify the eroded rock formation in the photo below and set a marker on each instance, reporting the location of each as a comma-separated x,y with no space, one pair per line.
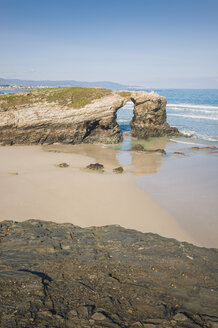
42,121
150,116
60,275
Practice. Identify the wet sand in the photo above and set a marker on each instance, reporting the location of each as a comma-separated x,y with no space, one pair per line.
33,186
187,187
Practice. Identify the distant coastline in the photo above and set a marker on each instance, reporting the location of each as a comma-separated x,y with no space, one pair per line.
19,83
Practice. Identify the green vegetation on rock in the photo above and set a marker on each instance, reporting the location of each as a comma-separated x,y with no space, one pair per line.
73,97
125,93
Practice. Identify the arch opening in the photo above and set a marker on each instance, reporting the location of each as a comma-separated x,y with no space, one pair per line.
124,117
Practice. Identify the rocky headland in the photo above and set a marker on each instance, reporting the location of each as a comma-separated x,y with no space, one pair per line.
61,275
79,115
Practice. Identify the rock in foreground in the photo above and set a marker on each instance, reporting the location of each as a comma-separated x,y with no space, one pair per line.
60,275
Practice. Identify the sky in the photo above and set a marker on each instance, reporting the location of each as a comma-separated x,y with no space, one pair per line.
151,43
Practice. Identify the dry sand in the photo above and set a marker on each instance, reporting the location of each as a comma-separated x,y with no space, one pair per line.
33,186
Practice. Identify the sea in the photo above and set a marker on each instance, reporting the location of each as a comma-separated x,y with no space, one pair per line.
193,111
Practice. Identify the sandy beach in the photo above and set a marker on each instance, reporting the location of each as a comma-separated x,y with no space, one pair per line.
32,186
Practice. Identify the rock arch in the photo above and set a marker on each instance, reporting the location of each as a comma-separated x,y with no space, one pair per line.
43,122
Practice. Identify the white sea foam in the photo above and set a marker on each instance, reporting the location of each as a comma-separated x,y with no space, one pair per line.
196,135
123,121
193,106
186,142
202,111
127,106
188,133
205,137
213,118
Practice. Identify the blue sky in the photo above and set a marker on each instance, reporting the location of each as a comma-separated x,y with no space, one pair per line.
155,43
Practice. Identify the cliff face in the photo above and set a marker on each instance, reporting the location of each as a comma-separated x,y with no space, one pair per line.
51,122
60,275
48,120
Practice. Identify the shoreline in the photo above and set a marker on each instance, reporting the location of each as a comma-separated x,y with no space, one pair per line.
33,187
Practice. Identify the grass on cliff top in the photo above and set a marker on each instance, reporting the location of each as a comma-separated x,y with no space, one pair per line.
73,97
124,93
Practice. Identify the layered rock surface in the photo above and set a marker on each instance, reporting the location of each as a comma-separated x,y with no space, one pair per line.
54,275
47,122
44,121
150,116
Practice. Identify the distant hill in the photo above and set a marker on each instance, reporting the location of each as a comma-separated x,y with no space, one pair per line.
66,83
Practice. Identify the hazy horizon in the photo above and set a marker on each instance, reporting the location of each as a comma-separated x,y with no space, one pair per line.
151,44
113,82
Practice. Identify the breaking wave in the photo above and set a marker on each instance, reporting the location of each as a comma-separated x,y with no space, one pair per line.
214,118
193,106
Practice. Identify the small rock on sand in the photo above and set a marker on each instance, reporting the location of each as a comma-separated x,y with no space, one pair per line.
195,148
118,169
137,147
96,167
179,153
203,148
209,147
63,165
158,151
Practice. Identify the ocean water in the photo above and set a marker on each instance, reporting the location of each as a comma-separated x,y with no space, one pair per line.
193,112
4,91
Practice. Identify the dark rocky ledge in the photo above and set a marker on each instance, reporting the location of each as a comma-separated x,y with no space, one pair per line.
60,275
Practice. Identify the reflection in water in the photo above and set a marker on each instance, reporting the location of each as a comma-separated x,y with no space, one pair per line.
137,163
124,157
124,116
99,153
144,164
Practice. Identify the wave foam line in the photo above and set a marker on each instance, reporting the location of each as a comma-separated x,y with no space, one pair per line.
208,138
186,142
195,110
123,121
214,118
193,106
194,134
127,107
